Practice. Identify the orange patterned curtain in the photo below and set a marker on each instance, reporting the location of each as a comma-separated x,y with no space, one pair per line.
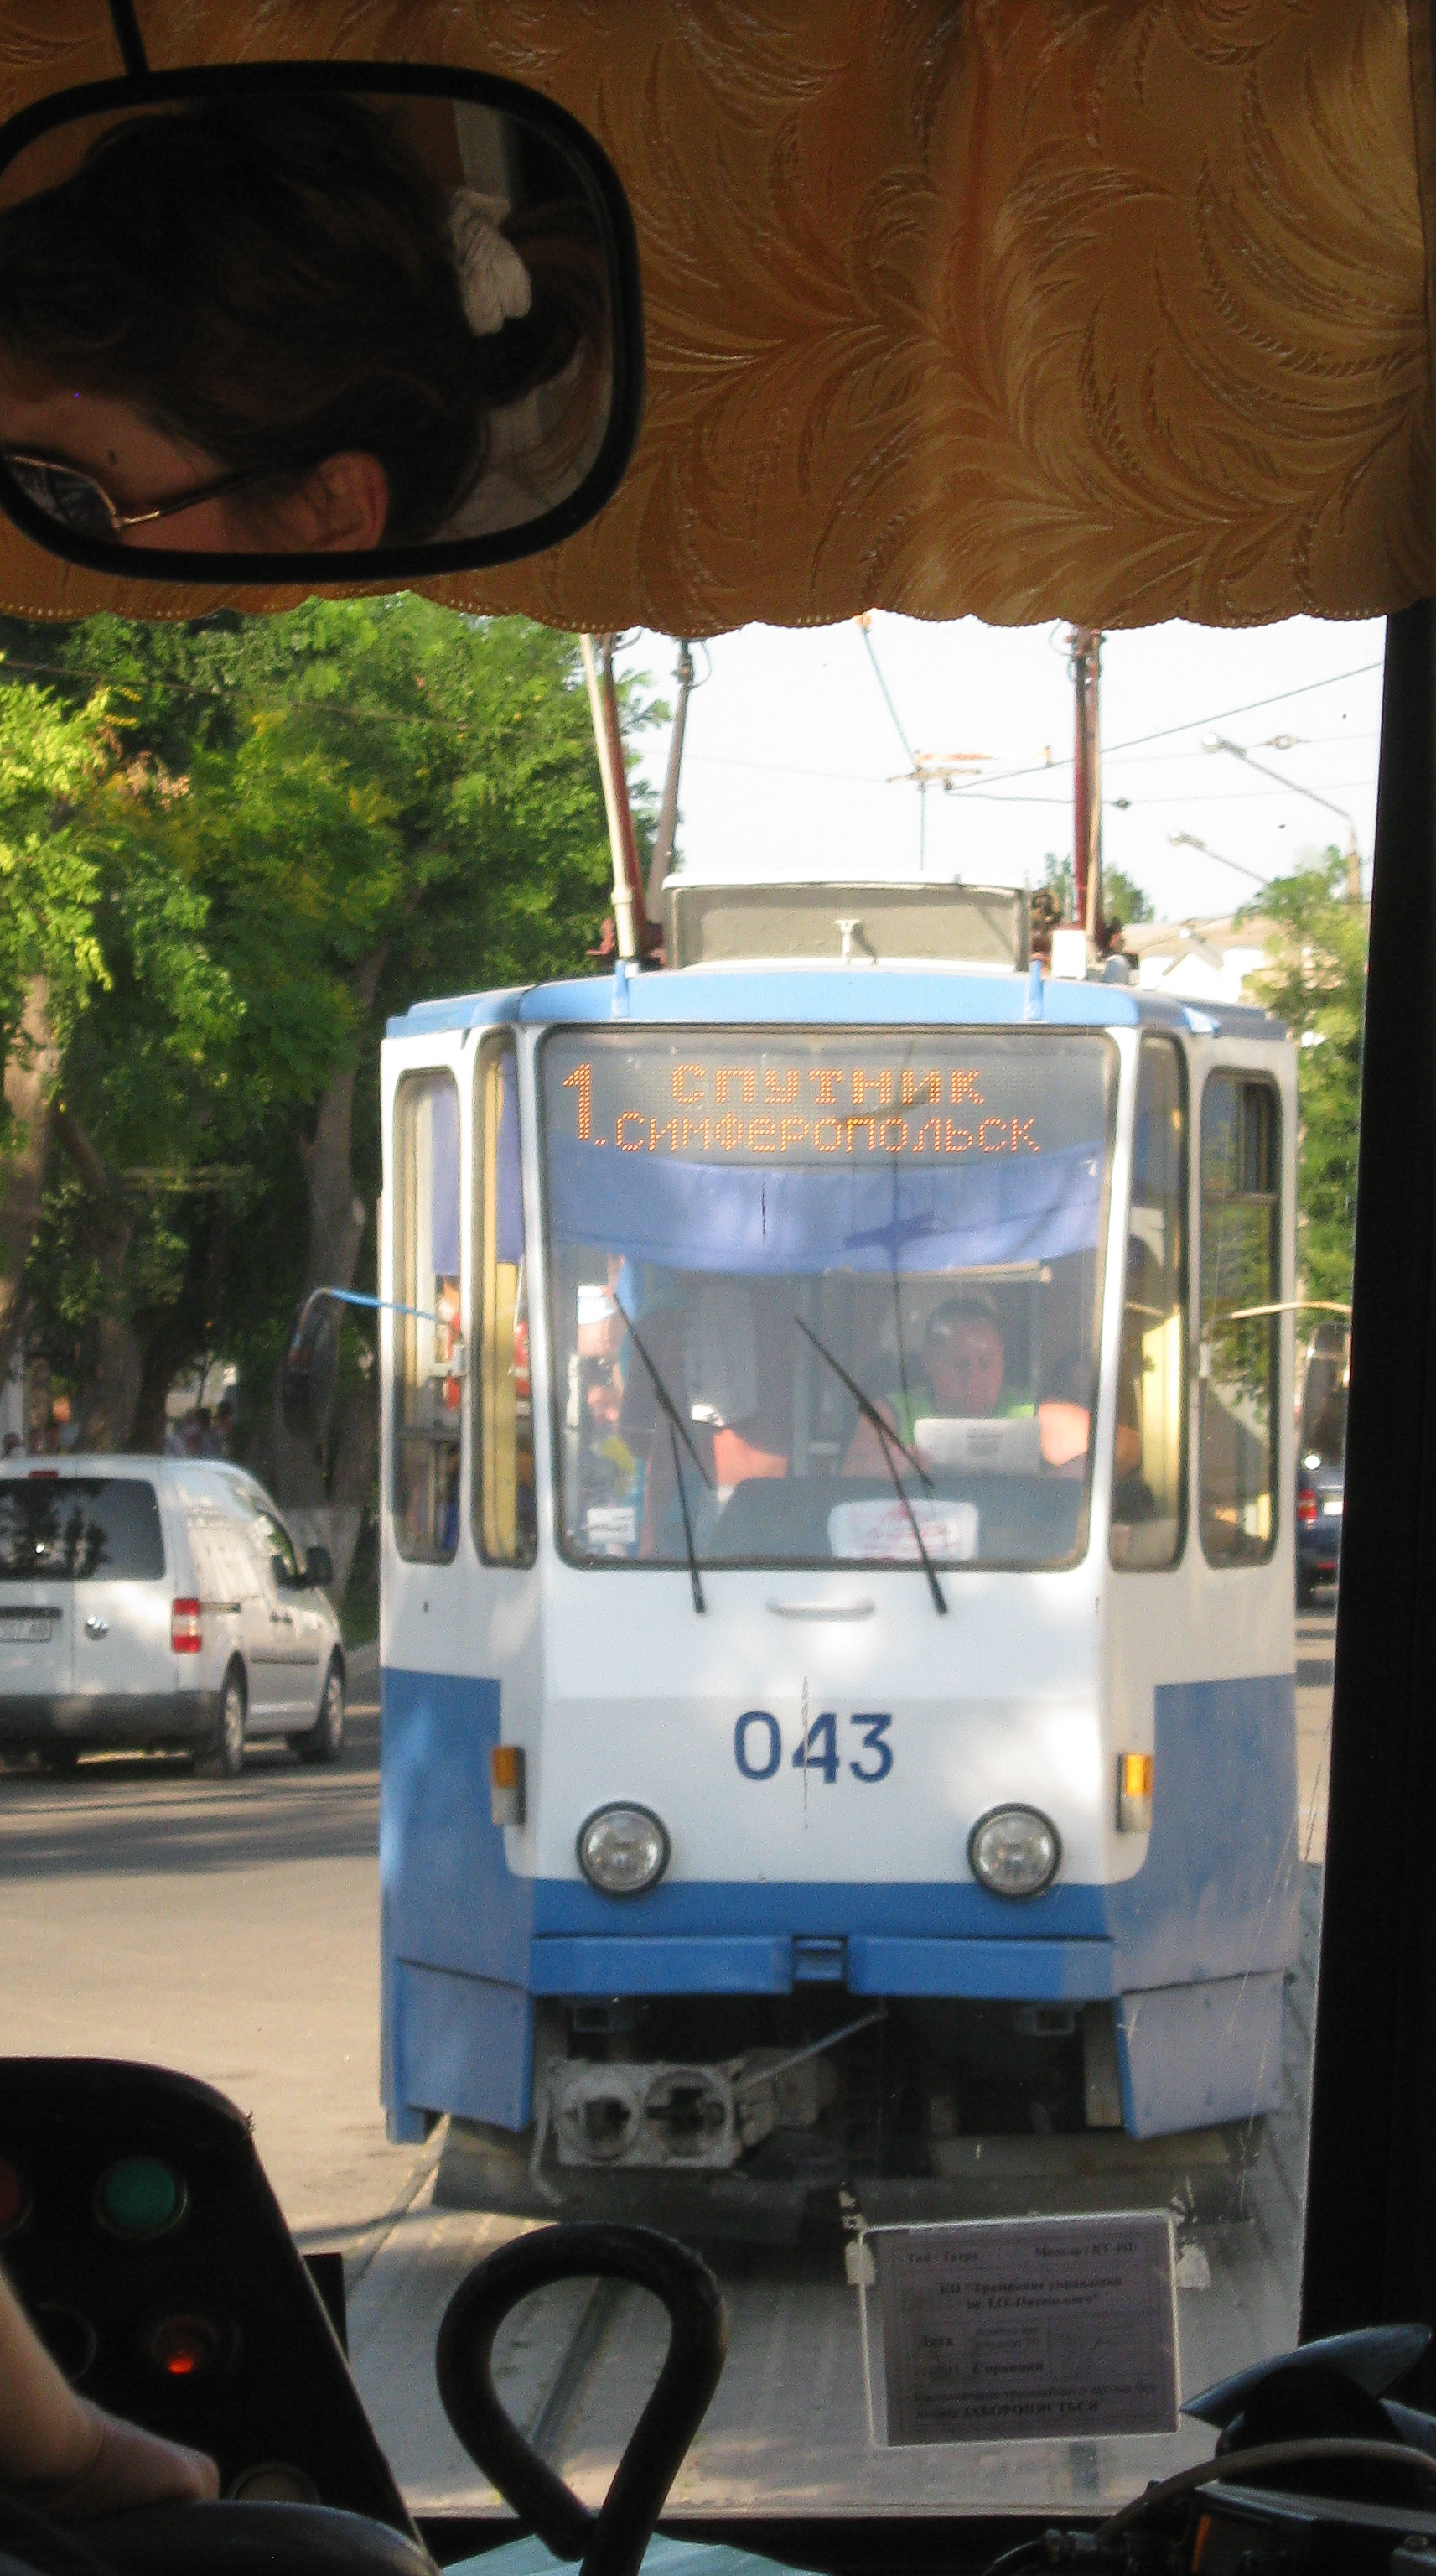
1114,310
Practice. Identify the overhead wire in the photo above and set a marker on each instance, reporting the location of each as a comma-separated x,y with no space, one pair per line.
1164,733
887,693
981,795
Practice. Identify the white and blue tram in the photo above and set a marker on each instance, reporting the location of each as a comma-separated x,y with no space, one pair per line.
837,1594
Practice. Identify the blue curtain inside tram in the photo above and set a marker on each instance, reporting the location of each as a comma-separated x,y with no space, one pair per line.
795,1221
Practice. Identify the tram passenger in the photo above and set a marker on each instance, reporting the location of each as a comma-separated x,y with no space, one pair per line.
964,1377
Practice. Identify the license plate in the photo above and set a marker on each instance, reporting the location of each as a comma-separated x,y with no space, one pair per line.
1331,1508
25,1627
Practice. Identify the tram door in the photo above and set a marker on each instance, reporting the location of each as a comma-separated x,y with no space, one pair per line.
461,1631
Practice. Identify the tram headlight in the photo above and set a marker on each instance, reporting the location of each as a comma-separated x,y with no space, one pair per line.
1014,1851
624,1850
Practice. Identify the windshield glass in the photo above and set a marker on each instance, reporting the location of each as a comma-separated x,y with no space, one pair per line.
826,1296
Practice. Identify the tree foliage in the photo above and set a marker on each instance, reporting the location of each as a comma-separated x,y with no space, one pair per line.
234,848
1316,982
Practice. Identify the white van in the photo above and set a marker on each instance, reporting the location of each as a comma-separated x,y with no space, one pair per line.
159,1601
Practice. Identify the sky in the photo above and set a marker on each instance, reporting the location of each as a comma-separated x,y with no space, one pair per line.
794,764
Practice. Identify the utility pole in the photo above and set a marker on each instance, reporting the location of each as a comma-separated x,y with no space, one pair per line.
1085,643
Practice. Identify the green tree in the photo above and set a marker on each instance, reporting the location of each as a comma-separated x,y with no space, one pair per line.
1316,982
53,758
1122,898
332,815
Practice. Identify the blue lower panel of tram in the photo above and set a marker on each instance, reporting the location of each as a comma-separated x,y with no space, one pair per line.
1194,1968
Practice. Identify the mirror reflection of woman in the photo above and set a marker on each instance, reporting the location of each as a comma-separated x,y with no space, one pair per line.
267,327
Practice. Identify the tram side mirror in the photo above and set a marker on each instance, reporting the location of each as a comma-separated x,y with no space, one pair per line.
252,319
318,1569
308,1372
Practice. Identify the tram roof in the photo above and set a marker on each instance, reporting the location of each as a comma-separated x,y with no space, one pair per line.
868,996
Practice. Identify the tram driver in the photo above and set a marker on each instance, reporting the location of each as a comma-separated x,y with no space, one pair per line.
964,1377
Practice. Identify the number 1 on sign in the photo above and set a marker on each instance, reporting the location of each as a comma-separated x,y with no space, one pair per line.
581,1081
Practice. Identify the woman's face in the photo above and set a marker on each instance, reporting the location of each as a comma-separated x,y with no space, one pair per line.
340,507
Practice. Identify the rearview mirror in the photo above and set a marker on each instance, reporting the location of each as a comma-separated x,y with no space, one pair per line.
308,1371
301,322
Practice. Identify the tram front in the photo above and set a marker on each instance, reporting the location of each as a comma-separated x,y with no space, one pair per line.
838,1699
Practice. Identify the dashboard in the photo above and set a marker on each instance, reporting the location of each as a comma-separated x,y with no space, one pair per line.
141,2236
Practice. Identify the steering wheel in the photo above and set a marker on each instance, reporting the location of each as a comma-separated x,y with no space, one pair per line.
612,2541
258,2539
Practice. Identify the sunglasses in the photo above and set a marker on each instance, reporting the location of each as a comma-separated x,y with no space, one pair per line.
73,498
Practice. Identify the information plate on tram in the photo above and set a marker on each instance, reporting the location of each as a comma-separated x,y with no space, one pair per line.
1022,2330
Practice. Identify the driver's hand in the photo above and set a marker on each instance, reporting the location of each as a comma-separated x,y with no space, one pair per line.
117,2465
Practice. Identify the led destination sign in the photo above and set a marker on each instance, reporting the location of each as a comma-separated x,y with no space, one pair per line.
795,1098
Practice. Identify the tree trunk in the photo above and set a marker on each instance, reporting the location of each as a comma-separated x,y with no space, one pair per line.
337,1219
29,1084
147,1423
115,1376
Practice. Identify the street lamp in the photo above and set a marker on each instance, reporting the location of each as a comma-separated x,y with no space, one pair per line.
1219,742
1189,841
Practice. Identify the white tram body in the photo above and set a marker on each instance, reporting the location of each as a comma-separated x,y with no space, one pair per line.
1039,1842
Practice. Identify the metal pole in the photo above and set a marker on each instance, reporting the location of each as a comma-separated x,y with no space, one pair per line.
1351,854
668,810
1086,644
622,881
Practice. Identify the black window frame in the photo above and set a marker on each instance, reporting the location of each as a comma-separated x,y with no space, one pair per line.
1249,1078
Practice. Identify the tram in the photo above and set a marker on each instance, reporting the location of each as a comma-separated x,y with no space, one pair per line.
837,1596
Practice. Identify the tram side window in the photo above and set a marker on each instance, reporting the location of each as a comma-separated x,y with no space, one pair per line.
1149,1466
505,1520
428,1349
1241,1253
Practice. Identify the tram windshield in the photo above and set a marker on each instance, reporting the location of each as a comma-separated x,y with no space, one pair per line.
826,1296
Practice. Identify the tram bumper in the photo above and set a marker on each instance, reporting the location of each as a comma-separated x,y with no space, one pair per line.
881,1964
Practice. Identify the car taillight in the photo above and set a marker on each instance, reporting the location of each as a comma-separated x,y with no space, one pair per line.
186,1634
1306,1506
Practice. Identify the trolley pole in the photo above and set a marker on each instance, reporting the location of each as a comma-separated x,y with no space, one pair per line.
630,921
1086,650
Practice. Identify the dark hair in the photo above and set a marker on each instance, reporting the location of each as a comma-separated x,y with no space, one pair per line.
273,282
974,1306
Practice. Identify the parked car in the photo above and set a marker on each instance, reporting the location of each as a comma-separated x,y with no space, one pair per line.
1319,1501
1321,1460
160,1602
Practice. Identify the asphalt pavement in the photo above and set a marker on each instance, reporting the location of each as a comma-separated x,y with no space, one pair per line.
229,1928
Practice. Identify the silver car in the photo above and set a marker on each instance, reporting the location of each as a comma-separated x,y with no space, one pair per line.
149,1602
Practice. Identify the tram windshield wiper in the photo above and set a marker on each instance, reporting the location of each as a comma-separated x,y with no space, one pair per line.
694,1577
676,1427
888,1441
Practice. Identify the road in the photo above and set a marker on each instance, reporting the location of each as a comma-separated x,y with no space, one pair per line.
231,1928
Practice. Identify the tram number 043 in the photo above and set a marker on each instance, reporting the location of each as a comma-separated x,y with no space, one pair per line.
758,1747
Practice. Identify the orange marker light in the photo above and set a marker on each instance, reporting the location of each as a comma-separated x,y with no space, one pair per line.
506,1783
1135,1773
